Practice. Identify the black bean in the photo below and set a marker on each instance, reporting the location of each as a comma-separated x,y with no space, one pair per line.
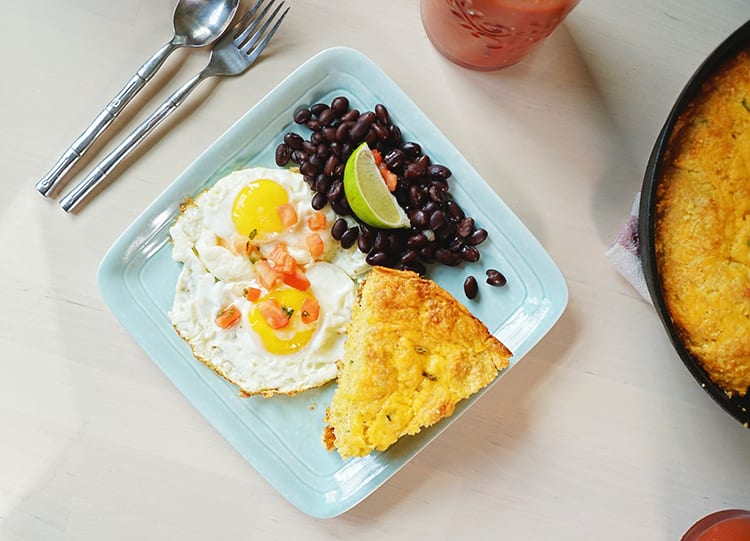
409,256
397,243
444,256
309,147
338,228
470,253
465,227
349,237
316,161
418,218
342,130
438,171
455,244
293,140
346,150
496,278
326,116
319,201
351,116
394,160
417,241
313,125
416,195
413,170
298,156
436,194
380,130
359,131
367,231
377,258
364,242
428,253
302,115
335,190
340,105
283,154
382,113
330,166
368,117
394,135
430,206
323,150
318,108
308,168
478,236
441,185
412,149
380,242
330,134
471,288
455,210
322,183
446,232
340,206
424,162
317,138
371,138
437,220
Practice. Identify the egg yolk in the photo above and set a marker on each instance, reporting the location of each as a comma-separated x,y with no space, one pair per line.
255,209
292,337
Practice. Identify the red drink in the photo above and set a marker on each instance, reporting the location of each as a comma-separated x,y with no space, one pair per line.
490,34
728,525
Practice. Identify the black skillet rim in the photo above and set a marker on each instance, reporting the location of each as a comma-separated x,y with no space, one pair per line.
738,407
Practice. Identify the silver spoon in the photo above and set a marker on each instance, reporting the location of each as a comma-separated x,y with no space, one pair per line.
196,23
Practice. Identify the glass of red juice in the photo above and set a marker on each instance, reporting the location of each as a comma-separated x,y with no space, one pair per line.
726,525
490,34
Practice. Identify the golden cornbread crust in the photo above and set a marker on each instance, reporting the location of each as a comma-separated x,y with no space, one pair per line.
412,353
702,226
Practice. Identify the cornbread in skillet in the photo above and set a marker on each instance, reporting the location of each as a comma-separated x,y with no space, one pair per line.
702,228
412,353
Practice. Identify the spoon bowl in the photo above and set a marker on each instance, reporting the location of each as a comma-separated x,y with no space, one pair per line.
198,23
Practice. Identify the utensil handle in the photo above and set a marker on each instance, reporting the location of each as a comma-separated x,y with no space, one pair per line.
79,192
49,182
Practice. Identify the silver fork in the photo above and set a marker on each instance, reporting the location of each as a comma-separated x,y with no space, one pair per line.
233,54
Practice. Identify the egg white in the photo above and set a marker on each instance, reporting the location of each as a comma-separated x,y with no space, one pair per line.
216,274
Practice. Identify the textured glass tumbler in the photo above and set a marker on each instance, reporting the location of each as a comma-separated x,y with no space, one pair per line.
490,34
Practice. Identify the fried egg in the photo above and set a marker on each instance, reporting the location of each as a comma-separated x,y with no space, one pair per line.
265,293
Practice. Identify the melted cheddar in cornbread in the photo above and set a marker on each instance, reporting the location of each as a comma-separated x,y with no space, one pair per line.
412,352
703,226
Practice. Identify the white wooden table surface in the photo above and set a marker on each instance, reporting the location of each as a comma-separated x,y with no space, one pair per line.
600,433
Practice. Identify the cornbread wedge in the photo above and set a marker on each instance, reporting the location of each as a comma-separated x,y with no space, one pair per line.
412,353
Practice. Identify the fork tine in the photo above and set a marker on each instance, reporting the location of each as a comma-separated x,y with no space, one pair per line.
242,34
250,47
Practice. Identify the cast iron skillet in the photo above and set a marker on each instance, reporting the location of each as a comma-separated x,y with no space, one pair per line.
738,407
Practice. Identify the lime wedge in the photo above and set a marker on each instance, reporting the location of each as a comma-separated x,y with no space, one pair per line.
367,194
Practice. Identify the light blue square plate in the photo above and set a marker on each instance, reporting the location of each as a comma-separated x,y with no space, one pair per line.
281,436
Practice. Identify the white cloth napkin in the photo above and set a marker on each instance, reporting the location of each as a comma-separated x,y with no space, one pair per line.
623,254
